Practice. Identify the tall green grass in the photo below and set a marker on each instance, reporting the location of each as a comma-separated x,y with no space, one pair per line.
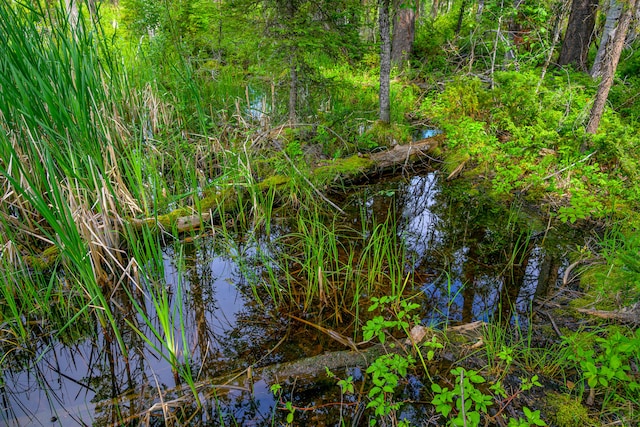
70,171
58,165
304,256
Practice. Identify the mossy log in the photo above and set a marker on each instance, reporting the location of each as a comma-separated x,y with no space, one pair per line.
347,169
358,167
303,372
206,210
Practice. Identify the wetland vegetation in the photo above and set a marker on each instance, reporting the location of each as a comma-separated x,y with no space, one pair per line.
273,212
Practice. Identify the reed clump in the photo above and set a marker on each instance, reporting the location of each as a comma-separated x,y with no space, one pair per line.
73,170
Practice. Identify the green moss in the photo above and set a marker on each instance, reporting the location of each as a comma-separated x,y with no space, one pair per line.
342,168
273,181
383,135
43,260
566,411
224,200
217,198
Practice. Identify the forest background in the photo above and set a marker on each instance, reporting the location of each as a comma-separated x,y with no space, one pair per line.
122,117
519,88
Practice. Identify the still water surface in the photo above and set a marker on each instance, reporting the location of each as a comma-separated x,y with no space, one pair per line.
472,261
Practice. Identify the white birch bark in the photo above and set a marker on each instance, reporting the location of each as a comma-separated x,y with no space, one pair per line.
609,31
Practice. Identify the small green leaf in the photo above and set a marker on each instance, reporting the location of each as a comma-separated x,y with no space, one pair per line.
615,362
381,337
275,389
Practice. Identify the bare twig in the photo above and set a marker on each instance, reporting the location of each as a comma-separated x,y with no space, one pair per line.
570,166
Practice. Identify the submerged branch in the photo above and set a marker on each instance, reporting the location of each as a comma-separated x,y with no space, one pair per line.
303,372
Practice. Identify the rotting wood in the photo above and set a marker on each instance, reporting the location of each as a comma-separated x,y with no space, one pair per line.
304,372
185,219
627,315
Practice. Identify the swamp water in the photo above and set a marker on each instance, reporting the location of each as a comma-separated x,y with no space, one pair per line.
466,260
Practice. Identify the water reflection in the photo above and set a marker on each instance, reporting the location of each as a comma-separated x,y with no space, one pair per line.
484,259
426,133
470,260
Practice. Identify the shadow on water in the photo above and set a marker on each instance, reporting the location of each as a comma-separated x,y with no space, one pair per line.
469,260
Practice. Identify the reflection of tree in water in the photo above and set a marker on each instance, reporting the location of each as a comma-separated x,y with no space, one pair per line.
224,333
481,254
230,330
489,253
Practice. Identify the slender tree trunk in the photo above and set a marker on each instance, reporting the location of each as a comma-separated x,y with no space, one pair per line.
385,61
515,28
463,8
368,27
291,11
404,27
434,9
293,91
613,15
612,57
560,14
633,30
479,10
577,39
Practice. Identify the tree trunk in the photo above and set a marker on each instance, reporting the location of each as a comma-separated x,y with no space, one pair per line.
434,9
560,13
479,10
514,33
577,39
610,63
385,62
463,8
633,31
404,27
613,16
293,92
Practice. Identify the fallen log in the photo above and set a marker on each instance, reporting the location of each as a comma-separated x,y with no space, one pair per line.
404,155
629,315
304,372
206,211
346,169
364,166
